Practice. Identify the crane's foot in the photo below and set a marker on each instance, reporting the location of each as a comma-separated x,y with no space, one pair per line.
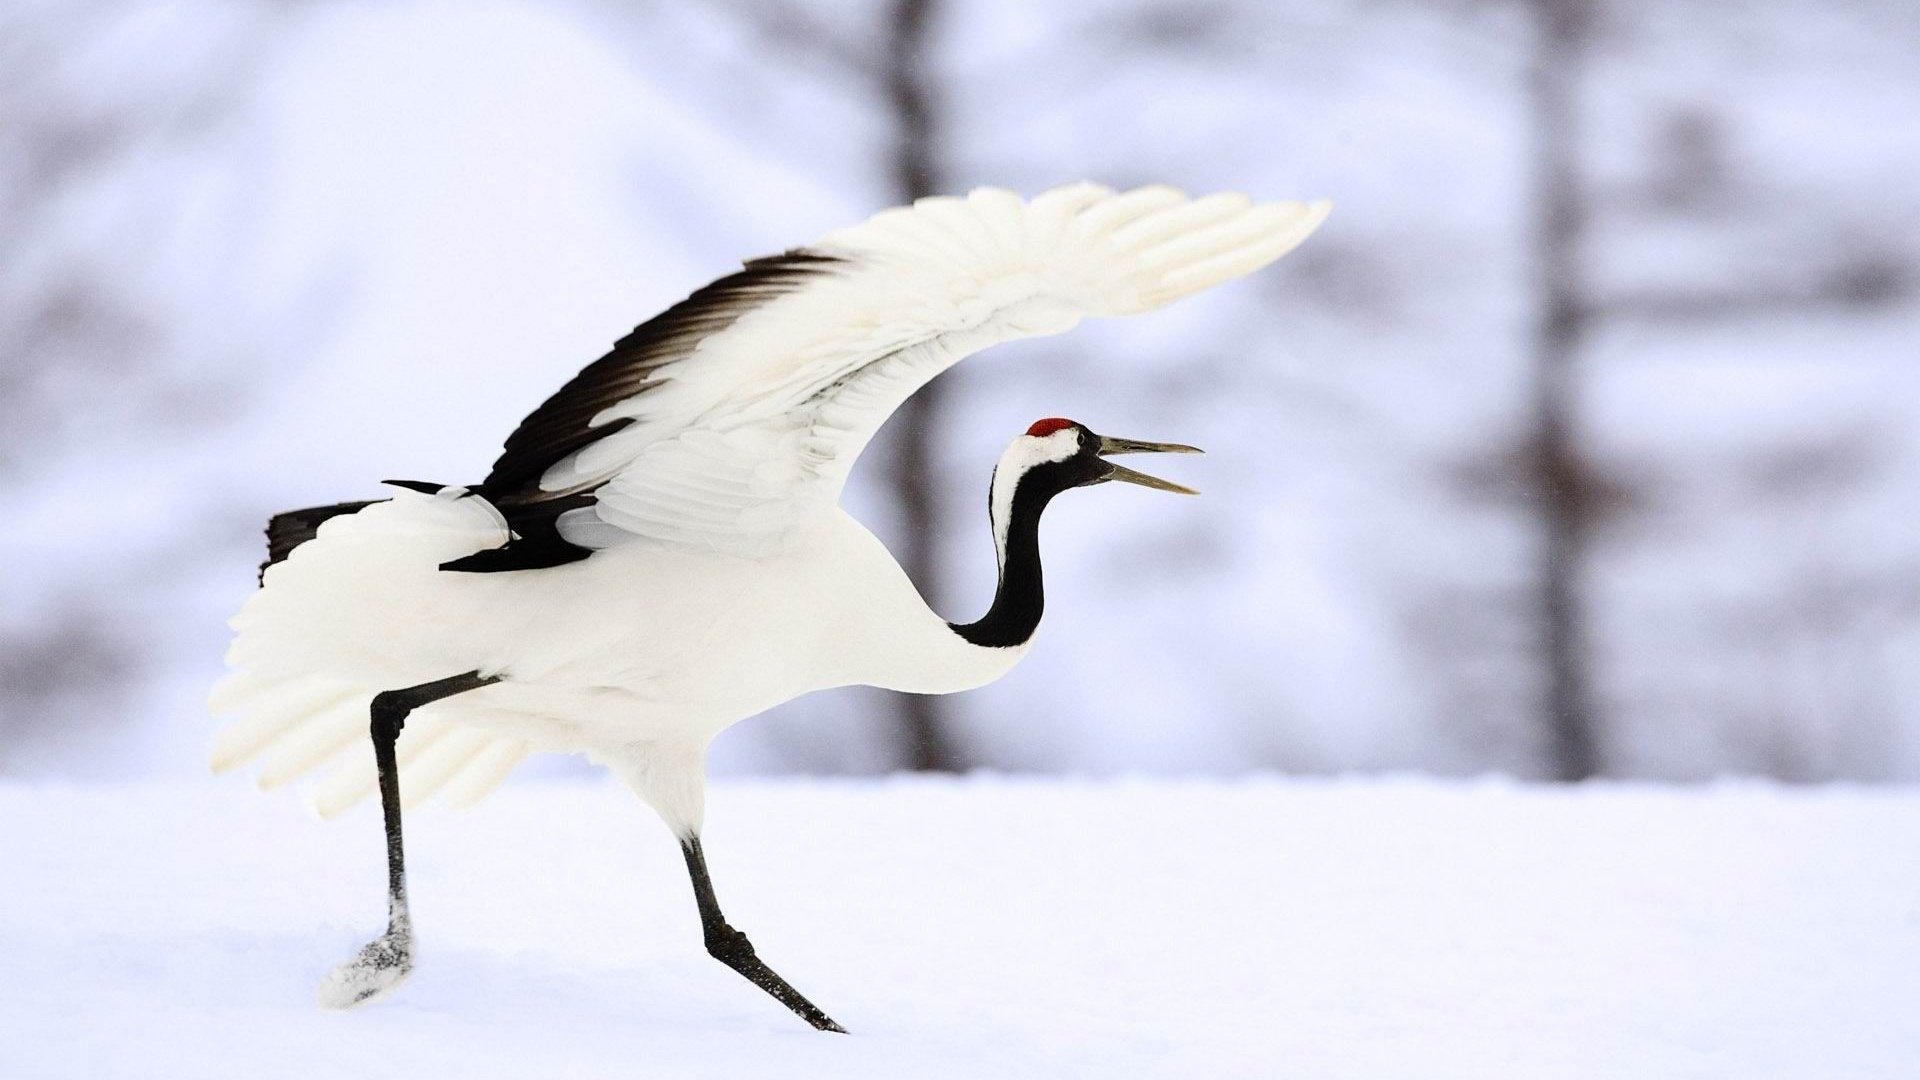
382,965
731,947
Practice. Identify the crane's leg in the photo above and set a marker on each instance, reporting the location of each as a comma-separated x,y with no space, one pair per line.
731,947
387,959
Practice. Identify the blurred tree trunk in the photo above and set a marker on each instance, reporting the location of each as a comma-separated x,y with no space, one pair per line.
912,469
1559,482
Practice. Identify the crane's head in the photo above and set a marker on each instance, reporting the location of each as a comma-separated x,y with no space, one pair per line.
1057,454
1078,457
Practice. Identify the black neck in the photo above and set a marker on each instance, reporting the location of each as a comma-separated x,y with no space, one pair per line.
1019,598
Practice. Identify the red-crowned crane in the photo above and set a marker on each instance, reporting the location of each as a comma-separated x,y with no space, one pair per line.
660,551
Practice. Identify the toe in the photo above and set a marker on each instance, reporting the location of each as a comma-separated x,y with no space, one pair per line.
379,968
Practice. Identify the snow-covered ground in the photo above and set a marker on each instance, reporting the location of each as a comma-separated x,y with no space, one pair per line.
983,928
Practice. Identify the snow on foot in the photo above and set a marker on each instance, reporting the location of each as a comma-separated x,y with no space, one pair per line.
382,965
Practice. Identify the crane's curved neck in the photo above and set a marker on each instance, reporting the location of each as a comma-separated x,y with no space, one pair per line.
1019,598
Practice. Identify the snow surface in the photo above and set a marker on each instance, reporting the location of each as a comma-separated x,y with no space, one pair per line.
983,928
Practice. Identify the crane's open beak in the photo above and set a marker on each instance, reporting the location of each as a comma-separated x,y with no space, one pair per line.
1135,446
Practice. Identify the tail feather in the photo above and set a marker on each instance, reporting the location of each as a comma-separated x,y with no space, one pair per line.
487,770
295,527
303,732
417,739
345,786
429,771
267,715
234,690
315,645
309,743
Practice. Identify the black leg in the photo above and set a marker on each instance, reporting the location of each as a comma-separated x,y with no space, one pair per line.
731,947
388,958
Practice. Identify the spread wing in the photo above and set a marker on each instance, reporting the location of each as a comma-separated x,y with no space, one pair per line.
729,419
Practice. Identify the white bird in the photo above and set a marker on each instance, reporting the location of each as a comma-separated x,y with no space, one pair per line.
660,552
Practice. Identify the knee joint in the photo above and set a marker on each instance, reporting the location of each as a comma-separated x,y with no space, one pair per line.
726,944
390,709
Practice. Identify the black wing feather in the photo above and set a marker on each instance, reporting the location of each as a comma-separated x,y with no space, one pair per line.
561,425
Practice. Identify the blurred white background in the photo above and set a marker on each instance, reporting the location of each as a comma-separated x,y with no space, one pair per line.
1582,439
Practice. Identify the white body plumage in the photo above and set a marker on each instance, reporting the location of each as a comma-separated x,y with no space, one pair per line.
640,652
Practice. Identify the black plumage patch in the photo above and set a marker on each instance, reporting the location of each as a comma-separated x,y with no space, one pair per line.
536,542
520,553
1020,598
424,487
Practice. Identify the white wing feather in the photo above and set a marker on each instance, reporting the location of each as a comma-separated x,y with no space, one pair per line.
733,445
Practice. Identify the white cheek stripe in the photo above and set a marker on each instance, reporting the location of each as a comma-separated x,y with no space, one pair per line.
1023,454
